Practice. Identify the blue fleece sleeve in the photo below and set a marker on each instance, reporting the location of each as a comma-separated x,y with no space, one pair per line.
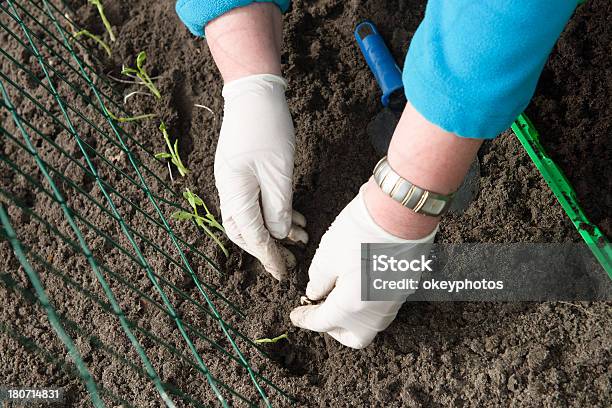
195,14
473,66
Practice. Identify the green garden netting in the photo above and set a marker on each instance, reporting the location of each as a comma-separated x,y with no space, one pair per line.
85,212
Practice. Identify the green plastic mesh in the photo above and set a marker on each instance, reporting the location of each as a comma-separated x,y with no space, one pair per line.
63,155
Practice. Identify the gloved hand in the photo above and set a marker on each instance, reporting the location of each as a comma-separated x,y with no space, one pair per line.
335,272
254,170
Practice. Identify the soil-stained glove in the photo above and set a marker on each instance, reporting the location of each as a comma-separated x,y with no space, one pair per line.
335,272
254,170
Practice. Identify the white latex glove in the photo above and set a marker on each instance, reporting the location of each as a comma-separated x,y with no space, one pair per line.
335,272
254,170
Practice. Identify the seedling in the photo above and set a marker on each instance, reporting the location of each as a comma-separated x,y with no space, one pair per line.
140,73
174,153
125,81
204,222
96,39
105,21
274,340
130,118
131,82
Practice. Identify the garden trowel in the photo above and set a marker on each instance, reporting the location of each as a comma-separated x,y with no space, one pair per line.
389,78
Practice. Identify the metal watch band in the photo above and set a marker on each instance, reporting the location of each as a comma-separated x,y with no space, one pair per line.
419,200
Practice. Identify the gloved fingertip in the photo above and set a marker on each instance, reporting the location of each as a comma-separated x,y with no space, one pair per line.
276,266
297,316
350,339
298,219
320,283
317,291
279,229
297,234
304,317
278,272
275,258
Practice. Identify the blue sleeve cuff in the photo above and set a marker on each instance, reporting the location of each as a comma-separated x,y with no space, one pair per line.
195,14
472,67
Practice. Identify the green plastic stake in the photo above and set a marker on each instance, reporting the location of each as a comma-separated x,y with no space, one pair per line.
563,190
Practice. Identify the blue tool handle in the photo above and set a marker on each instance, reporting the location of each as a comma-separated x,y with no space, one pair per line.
379,59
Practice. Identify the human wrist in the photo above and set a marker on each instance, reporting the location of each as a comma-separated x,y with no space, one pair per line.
246,41
428,157
240,85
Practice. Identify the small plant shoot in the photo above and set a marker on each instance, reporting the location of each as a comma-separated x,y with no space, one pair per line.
105,21
274,340
97,39
131,118
174,153
140,73
205,222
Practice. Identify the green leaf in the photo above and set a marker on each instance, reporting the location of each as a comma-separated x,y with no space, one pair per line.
182,169
149,84
274,340
188,195
206,209
192,199
197,200
214,223
163,155
140,59
176,152
96,39
135,118
181,215
200,221
130,119
128,71
144,77
215,238
141,74
105,21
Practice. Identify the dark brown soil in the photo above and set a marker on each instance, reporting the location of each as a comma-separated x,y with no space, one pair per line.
434,354
572,109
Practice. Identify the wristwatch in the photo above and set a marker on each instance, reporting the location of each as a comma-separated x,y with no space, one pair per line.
418,199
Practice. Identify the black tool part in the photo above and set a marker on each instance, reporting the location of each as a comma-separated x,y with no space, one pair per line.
380,130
